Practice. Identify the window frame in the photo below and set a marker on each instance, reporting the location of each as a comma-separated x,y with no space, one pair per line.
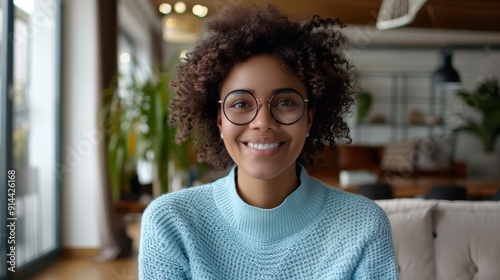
6,142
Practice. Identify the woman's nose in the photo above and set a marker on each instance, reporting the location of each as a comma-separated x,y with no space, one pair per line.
264,120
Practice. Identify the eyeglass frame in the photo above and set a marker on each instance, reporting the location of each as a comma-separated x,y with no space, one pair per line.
269,101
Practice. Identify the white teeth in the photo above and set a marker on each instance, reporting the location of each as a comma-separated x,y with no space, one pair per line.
263,146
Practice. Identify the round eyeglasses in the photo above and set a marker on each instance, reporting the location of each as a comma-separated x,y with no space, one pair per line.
240,107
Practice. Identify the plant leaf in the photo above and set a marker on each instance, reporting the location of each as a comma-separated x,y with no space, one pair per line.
364,105
474,129
491,124
116,156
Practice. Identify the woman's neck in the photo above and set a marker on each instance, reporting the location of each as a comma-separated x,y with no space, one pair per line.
269,193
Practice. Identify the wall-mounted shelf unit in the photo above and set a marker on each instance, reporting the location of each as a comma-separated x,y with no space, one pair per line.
405,105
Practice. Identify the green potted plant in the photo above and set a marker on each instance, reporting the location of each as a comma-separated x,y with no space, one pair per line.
364,105
485,100
138,130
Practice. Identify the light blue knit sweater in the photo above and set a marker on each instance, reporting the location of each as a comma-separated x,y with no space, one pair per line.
318,232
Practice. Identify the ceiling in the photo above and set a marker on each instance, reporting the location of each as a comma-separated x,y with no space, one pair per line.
480,15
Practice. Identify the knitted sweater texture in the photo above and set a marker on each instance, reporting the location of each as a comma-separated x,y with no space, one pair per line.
318,232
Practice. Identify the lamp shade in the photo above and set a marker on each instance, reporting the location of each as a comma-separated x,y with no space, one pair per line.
181,28
397,13
446,75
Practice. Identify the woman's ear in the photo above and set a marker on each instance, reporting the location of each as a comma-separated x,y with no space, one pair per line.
310,115
219,121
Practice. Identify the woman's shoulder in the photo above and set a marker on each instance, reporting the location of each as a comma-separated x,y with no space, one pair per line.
180,202
354,205
340,198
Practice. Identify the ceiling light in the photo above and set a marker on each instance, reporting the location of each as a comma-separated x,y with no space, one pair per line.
181,28
180,7
125,58
165,8
170,23
446,75
200,11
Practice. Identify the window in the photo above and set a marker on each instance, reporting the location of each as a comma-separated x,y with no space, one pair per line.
31,118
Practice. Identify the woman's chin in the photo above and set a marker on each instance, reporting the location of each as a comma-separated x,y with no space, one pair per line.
263,171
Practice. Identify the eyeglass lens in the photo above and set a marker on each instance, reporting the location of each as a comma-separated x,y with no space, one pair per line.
241,107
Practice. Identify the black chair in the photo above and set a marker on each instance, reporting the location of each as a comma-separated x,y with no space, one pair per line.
496,197
376,191
447,193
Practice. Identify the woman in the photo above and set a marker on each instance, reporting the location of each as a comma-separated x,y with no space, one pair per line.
263,95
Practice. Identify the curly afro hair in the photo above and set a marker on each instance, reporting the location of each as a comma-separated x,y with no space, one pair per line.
313,50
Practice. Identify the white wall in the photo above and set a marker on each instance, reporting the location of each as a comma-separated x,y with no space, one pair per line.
81,176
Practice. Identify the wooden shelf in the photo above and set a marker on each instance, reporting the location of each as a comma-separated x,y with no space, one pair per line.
129,206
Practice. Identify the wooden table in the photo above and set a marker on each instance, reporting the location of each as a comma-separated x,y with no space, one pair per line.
406,187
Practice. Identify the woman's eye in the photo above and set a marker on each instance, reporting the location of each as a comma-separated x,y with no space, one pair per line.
240,104
285,103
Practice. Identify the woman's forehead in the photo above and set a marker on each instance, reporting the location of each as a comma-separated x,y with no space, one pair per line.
262,74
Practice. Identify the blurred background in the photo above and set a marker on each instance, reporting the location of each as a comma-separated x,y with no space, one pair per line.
84,88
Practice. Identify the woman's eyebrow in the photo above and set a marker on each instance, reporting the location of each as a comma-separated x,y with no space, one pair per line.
239,90
285,89
274,91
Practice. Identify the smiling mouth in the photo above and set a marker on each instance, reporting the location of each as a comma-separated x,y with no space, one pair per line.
262,146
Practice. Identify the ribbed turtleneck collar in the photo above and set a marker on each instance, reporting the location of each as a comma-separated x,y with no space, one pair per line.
294,213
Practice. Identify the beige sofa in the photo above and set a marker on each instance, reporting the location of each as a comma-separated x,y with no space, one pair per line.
440,240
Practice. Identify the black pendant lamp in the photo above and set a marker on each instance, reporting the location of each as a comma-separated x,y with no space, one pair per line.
446,76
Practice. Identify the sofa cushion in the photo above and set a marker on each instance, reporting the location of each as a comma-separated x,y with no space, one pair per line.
411,222
467,243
